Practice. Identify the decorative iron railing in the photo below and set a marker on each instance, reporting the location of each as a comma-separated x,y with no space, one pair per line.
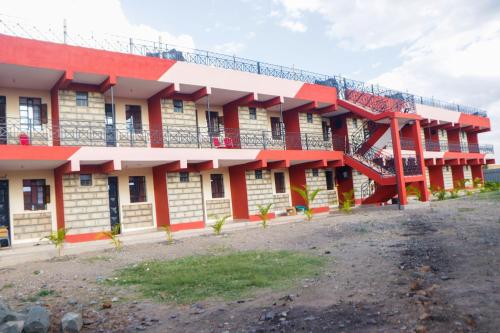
444,146
377,98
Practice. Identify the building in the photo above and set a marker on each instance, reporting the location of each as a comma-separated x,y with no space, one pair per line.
90,138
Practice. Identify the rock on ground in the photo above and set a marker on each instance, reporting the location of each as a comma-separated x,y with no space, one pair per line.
38,320
71,322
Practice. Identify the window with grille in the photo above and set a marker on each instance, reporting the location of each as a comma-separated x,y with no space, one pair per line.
315,172
310,118
184,177
258,174
85,180
252,112
82,98
279,182
32,113
137,188
329,180
178,106
36,194
217,184
133,118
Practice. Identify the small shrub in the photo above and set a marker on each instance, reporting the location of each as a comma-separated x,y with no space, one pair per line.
412,190
113,236
438,193
454,193
264,213
219,223
168,234
477,182
468,193
57,238
492,186
308,196
348,201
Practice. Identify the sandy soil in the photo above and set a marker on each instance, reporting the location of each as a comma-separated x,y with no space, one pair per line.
426,270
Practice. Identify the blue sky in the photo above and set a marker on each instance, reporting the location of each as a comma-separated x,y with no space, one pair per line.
446,49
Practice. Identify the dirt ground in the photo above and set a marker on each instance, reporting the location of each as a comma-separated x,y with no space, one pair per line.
425,270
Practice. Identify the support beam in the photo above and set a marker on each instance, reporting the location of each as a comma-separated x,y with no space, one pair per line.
161,196
111,166
327,109
207,165
278,164
242,101
304,108
321,164
336,164
398,161
271,102
64,81
107,84
419,153
255,165
167,92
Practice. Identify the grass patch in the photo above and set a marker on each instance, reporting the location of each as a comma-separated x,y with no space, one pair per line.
98,258
465,209
226,276
7,286
45,293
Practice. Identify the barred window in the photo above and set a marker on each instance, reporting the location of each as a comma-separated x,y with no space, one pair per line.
252,113
85,179
310,118
258,174
217,184
184,177
36,194
133,118
178,106
315,172
279,182
82,98
137,188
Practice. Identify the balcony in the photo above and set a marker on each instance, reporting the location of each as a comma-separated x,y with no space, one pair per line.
457,147
84,133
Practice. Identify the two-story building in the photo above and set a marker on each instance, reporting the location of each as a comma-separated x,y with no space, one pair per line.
91,138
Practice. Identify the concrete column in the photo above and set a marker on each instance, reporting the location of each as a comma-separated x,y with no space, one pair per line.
419,153
398,162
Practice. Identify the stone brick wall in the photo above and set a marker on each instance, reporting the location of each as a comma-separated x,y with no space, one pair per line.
422,137
255,128
427,177
86,208
468,175
358,179
32,225
178,123
314,131
82,125
259,191
185,200
448,178
318,182
137,215
462,135
219,207
350,125
331,196
281,201
443,135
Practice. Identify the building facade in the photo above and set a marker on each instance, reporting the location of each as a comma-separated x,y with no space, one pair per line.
91,138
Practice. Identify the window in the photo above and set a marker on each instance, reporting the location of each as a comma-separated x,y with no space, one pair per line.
463,135
310,118
355,123
137,187
213,122
184,177
82,98
279,182
276,128
133,118
36,194
326,131
258,174
315,172
85,180
217,184
178,106
252,112
329,179
447,168
33,114
467,167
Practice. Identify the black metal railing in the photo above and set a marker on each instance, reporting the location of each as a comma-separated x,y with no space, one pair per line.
377,98
458,147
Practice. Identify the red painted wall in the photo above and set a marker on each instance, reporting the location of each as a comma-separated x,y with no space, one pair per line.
155,122
232,124
292,126
58,189
297,179
54,113
436,176
457,173
239,196
453,136
161,197
477,172
344,185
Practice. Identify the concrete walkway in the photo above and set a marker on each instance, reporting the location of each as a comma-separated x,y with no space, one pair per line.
25,253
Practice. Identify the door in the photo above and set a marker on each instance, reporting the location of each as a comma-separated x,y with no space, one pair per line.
276,128
110,126
212,122
3,121
114,203
4,207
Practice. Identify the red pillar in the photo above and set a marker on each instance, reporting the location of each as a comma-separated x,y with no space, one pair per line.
398,162
297,179
419,153
54,115
161,196
155,121
436,176
239,195
58,189
232,123
477,172
292,128
457,173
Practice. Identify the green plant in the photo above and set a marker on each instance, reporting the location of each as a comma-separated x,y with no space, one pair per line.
491,186
460,183
438,193
219,223
477,182
348,201
308,196
264,213
113,236
412,190
57,238
454,193
468,193
168,234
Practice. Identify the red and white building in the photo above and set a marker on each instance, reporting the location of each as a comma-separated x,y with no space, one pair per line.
90,138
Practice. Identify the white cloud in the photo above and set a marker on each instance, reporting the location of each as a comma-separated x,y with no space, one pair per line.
449,48
83,19
230,47
292,25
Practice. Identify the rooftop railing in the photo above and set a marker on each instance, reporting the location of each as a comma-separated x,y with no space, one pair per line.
405,102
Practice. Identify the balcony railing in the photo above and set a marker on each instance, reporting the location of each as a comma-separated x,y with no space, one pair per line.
458,147
402,101
87,133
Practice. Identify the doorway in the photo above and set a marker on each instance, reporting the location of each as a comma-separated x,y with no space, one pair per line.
4,208
110,126
3,121
114,202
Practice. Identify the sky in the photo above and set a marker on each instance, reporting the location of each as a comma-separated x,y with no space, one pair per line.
446,49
